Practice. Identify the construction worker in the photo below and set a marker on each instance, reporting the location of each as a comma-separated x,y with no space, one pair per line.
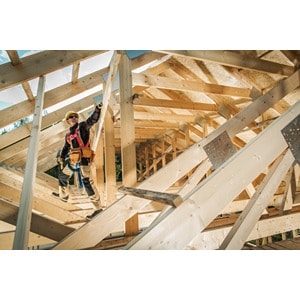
77,148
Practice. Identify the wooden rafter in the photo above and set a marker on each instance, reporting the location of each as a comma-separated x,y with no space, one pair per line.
40,64
236,60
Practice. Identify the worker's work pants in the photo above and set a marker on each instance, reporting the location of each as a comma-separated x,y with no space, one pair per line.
88,183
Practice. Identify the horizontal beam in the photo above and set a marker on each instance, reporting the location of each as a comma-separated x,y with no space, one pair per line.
188,85
41,63
162,103
236,60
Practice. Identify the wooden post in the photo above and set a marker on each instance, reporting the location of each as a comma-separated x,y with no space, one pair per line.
24,215
110,160
106,97
132,225
127,122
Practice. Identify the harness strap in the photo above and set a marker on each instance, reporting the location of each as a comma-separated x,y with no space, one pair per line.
76,135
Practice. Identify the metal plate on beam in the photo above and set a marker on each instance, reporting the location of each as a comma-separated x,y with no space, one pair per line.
291,133
220,149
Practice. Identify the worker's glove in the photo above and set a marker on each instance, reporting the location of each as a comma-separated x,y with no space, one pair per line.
99,101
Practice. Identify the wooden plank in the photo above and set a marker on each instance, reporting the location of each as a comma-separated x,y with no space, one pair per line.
24,215
132,225
163,103
110,159
236,60
165,198
28,91
117,213
75,72
188,85
128,152
106,96
41,63
39,224
255,207
205,202
139,115
14,57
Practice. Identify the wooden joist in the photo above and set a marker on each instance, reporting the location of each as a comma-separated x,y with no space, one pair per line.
188,85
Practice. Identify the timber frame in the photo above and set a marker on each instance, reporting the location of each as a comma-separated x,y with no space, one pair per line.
208,142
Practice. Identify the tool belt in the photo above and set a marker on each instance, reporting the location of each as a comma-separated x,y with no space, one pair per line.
76,154
87,152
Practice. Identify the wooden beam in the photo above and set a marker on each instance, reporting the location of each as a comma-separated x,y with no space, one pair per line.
188,85
162,103
164,198
75,72
128,151
28,91
132,225
24,215
106,96
110,159
236,60
40,64
164,117
39,224
14,57
237,236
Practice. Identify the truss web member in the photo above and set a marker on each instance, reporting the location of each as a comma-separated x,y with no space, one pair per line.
77,148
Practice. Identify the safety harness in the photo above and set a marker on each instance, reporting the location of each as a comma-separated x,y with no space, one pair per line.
77,153
76,136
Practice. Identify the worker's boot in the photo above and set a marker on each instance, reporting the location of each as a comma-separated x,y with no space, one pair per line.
63,193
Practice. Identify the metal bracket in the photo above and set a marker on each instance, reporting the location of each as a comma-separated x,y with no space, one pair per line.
220,149
291,134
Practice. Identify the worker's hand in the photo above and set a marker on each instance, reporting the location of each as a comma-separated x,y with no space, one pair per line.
60,161
99,101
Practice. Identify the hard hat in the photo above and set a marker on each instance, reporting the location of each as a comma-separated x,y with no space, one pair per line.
70,113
